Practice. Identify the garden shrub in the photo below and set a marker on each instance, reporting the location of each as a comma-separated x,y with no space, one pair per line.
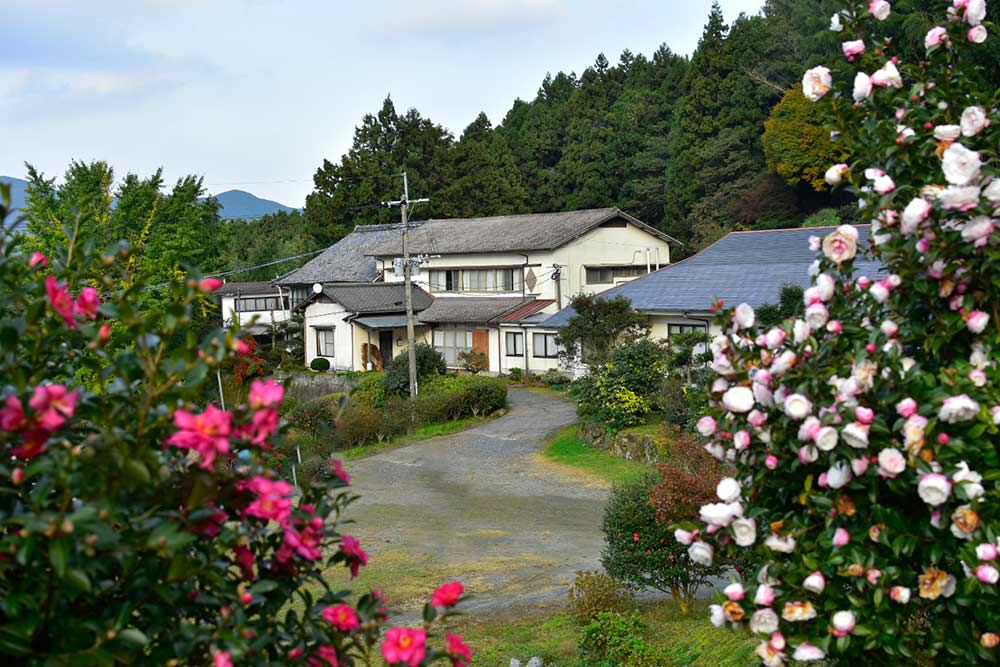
639,549
371,390
131,536
515,374
865,433
474,362
357,424
430,362
595,592
618,392
320,364
555,378
615,639
318,416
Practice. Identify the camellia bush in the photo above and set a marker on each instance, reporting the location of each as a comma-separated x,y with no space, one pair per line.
864,433
141,525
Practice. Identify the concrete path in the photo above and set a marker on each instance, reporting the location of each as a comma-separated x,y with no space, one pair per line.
481,506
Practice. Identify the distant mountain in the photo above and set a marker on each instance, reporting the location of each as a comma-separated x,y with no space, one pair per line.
17,188
241,204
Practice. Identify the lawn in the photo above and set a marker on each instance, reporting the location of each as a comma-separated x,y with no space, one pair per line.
683,640
564,447
421,433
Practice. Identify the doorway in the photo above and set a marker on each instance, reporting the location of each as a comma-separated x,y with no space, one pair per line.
385,345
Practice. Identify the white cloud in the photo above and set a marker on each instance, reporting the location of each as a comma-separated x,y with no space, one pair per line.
453,15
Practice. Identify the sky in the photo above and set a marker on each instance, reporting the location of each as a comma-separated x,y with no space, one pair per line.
255,94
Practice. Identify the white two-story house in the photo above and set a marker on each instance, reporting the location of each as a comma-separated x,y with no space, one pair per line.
258,306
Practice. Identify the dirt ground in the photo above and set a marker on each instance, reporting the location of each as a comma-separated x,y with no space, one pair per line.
480,507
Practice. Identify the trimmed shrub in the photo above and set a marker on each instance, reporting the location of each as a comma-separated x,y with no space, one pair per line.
595,592
615,639
515,374
474,362
618,393
430,362
318,416
359,424
555,378
370,390
320,364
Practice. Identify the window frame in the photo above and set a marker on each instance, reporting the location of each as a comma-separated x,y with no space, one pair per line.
546,337
451,352
518,338
674,328
493,280
614,273
321,341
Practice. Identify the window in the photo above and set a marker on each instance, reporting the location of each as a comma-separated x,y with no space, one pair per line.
324,342
605,275
451,343
476,280
515,344
253,304
685,328
544,345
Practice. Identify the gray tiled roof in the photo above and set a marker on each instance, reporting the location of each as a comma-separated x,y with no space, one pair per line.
505,233
231,288
376,298
347,260
749,267
457,309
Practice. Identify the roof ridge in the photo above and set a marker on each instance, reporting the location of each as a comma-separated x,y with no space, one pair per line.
794,229
525,215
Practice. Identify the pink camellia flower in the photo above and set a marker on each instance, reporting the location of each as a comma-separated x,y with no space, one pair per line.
245,560
880,9
324,656
60,300
87,303
738,399
977,34
859,466
448,595
934,489
222,659
684,537
54,405
306,542
741,440
853,48
834,327
706,426
356,556
743,316
976,321
884,184
262,426
734,591
38,259
207,433
899,594
841,537
404,645
978,230
337,468
841,245
265,394
891,462
342,616
765,596
272,500
461,654
17,476
843,623
873,575
12,414
864,415
987,551
209,284
756,418
987,574
935,37
906,408
771,462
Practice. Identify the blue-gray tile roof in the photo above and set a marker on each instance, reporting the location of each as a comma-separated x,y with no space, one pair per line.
749,267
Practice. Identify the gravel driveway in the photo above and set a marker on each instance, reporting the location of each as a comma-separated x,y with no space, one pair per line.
481,506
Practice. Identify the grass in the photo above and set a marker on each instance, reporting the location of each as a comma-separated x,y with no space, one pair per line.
566,448
552,635
421,433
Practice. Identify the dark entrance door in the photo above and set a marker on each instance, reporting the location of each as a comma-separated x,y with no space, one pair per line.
385,345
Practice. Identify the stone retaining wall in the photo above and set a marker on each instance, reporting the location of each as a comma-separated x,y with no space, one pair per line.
306,386
632,446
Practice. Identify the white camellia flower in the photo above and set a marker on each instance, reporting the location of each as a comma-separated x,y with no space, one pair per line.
684,537
719,514
738,399
744,532
843,622
835,23
960,165
706,426
785,360
887,77
716,615
743,316
839,475
900,594
817,316
826,285
959,198
974,120
801,331
841,244
992,192
934,489
915,212
835,174
855,434
975,12
775,542
880,9
957,409
978,34
891,462
947,132
970,481
797,406
728,490
978,230
764,621
816,83
826,438
701,553
797,612
806,652
862,88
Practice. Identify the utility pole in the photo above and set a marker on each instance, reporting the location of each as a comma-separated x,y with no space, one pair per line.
411,336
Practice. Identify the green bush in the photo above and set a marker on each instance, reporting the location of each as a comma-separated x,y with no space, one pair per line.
474,362
614,639
430,362
318,416
370,390
358,424
452,397
320,364
618,393
515,374
595,592
555,378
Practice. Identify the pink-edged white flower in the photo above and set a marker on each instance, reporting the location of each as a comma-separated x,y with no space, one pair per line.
899,594
839,475
784,545
864,415
887,77
855,434
806,652
783,362
862,90
969,481
884,184
797,406
835,174
816,83
756,418
976,321
859,466
891,462
987,551
841,537
947,132
684,537
992,192
959,198
843,623
978,230
719,385
995,413
741,440
720,514
738,399
934,489
734,591
889,328
826,438
987,574
808,454
765,596
975,11
915,213
701,553
880,9
957,409
960,165
825,286
814,583
744,532
801,331
977,34
743,316
771,462
706,426
774,338
841,244
817,316
854,47
935,36
728,490
974,120
879,292
764,621
978,377
914,429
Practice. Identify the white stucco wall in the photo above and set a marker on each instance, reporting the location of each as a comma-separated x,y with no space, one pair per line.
659,324
527,361
321,315
268,317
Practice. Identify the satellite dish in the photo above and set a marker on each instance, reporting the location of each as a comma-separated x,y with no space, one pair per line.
317,288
